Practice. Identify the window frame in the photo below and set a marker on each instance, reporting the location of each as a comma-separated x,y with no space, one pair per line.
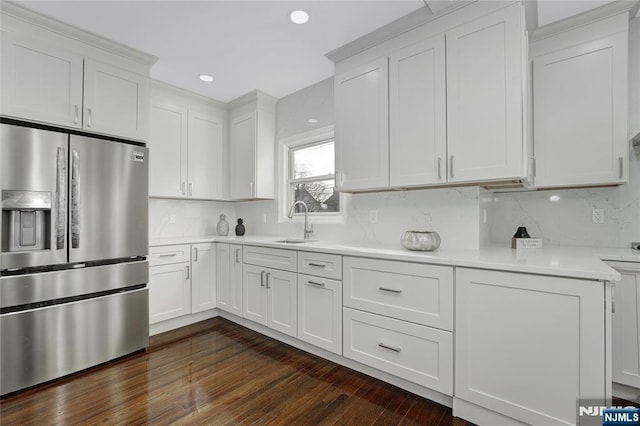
286,181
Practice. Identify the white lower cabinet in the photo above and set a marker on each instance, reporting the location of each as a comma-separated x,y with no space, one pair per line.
182,280
203,278
416,353
626,325
398,318
528,346
320,312
229,277
169,291
270,298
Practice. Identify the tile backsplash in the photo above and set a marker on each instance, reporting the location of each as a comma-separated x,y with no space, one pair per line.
192,217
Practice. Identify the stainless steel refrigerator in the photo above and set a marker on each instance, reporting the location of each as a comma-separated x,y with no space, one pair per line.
73,268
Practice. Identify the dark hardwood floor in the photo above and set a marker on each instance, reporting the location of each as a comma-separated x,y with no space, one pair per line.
217,372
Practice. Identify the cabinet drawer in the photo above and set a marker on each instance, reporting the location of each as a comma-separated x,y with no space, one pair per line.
165,255
416,353
320,264
409,291
270,258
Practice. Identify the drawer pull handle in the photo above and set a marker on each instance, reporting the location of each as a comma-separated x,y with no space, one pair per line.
390,290
391,348
262,278
168,255
316,283
318,265
266,280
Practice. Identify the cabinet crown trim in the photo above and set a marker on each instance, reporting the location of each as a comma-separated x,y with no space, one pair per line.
585,18
70,31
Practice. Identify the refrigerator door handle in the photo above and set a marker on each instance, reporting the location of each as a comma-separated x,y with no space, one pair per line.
61,197
75,199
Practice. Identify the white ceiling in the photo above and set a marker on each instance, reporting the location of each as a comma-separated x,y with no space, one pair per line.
244,45
248,45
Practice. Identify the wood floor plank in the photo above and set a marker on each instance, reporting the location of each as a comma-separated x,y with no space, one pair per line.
217,372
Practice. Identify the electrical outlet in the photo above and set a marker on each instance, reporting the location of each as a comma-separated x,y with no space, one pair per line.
172,218
597,216
373,216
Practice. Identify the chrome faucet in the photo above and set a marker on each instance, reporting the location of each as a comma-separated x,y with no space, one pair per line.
308,228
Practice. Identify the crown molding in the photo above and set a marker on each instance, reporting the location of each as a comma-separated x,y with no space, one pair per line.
29,16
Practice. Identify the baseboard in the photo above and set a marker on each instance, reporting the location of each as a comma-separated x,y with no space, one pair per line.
481,416
626,392
172,324
432,395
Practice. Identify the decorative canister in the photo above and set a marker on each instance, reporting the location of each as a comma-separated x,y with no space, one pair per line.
223,226
240,228
420,240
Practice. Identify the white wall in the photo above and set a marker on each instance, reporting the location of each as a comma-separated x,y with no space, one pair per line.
567,221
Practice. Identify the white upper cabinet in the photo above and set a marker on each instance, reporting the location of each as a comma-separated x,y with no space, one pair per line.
580,105
205,156
187,152
168,151
442,103
361,127
417,114
252,147
116,101
484,98
40,83
62,76
242,149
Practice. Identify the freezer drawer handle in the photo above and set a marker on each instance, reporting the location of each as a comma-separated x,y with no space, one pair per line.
61,197
75,199
391,348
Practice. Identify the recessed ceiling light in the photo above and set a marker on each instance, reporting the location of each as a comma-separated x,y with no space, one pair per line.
206,78
313,120
299,17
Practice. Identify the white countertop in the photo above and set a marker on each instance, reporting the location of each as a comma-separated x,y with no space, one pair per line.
566,261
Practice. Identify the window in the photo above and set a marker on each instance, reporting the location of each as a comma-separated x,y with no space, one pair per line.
312,177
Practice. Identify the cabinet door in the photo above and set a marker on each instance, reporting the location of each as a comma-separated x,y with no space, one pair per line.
282,288
205,156
223,279
242,156
626,329
40,83
169,292
528,346
320,312
203,281
362,127
580,106
417,114
484,98
116,101
254,294
235,278
168,151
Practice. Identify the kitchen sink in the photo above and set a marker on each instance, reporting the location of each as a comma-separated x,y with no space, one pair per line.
294,241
